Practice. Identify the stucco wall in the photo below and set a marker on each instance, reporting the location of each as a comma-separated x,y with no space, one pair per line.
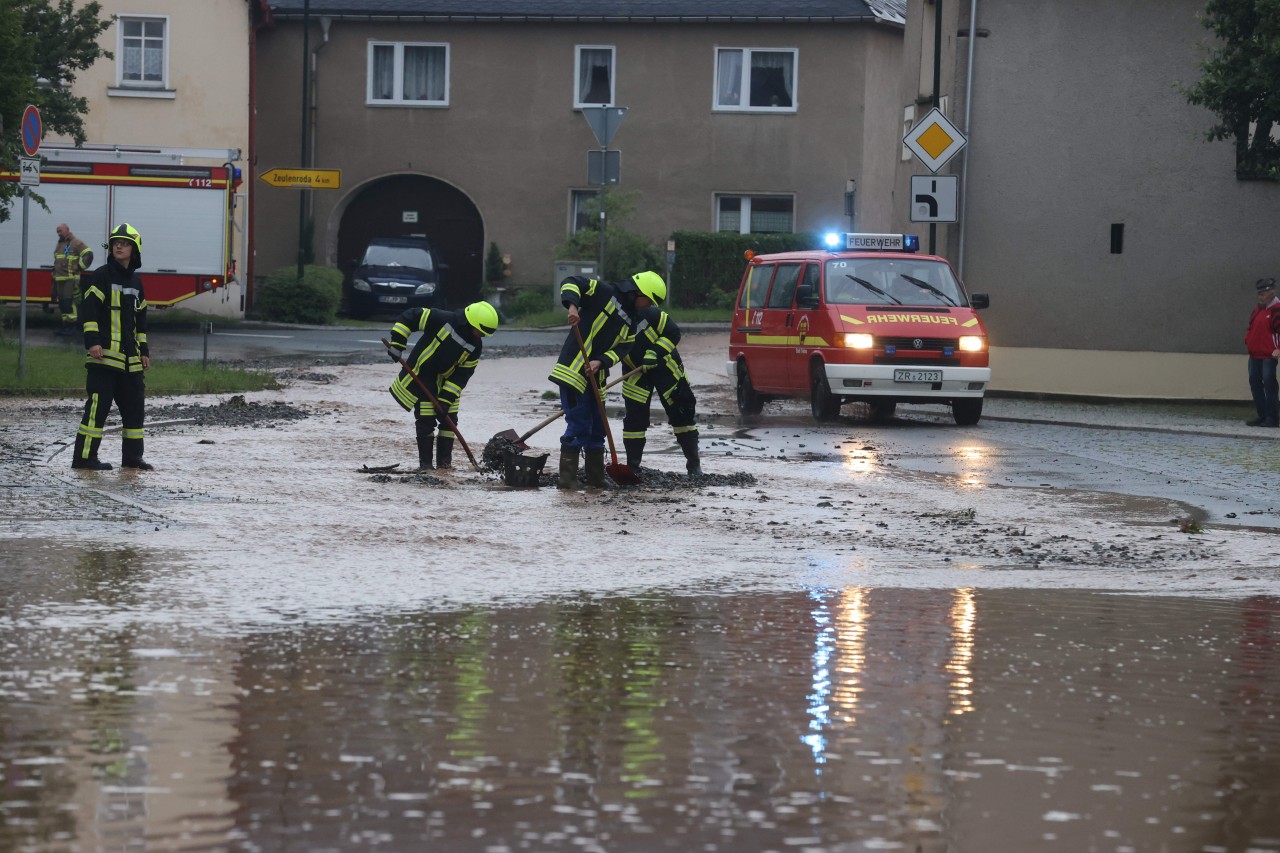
1077,125
511,141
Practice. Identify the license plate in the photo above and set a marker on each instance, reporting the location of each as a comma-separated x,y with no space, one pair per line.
393,300
917,376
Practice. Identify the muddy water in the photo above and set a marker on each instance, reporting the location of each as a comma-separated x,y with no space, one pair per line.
826,718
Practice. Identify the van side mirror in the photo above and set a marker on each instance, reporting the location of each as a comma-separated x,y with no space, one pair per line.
979,300
805,297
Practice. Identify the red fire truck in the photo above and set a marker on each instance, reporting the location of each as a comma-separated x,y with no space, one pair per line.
184,214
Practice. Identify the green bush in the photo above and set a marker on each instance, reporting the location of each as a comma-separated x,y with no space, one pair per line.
526,300
709,266
313,299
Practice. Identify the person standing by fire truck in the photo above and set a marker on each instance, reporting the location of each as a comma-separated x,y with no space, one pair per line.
71,258
114,319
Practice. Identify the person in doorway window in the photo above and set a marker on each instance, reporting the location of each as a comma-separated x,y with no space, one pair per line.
1262,340
114,319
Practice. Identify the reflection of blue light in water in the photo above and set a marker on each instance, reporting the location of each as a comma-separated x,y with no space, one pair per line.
818,710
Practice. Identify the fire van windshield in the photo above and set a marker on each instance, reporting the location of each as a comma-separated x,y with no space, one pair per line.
875,281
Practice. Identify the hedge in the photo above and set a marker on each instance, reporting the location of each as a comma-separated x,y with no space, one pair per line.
709,266
313,299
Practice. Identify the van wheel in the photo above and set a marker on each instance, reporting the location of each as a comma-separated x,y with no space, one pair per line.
749,402
966,411
882,411
825,405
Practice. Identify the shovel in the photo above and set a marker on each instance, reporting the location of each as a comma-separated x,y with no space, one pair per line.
440,410
518,441
621,474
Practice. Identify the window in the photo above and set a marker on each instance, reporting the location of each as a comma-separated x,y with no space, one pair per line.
584,211
784,286
757,286
593,84
760,214
143,52
754,79
403,73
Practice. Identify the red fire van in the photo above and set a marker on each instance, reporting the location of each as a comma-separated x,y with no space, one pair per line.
874,321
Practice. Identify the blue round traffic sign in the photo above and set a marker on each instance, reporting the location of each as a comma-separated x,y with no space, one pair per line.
32,130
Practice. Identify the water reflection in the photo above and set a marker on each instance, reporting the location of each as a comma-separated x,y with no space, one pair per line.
826,719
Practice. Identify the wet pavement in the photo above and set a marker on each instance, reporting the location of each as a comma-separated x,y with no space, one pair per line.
1038,633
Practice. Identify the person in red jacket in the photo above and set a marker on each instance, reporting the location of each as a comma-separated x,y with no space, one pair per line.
1262,339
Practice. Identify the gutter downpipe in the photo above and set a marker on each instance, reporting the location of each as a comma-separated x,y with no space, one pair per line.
313,110
968,132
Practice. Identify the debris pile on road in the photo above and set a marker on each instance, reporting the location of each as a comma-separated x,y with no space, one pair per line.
235,411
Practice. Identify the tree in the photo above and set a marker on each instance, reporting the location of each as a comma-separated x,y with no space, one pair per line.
43,45
1241,82
626,252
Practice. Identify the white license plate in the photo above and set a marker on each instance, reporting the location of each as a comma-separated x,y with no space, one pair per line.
917,376
393,300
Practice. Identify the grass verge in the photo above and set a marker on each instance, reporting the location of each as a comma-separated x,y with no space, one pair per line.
59,372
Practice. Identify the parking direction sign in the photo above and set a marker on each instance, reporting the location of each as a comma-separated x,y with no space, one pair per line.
934,140
934,198
29,169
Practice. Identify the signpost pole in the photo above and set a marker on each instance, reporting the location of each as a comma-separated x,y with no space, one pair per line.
937,84
604,182
306,108
22,303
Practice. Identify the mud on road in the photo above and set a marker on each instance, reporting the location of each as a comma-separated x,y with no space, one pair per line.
324,470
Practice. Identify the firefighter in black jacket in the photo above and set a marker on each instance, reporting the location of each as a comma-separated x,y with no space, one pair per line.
444,358
654,351
606,315
114,319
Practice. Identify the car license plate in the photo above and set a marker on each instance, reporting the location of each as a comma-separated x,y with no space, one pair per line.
917,376
393,300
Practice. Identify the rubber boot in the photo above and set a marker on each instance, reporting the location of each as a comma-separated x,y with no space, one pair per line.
635,451
426,434
444,452
568,468
688,442
92,463
131,455
595,468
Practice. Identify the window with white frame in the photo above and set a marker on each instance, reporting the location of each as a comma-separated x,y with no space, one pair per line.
585,210
408,73
755,214
594,80
143,52
756,79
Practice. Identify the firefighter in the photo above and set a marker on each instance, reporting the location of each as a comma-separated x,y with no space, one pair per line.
71,259
662,370
607,315
114,319
444,358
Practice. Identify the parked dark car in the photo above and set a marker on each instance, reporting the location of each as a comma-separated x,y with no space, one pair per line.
396,273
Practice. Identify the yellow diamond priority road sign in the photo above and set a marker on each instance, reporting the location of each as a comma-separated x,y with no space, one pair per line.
934,140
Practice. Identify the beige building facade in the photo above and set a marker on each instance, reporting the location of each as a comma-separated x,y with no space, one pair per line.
178,85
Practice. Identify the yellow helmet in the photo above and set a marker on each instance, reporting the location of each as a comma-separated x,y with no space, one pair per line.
651,285
483,316
125,231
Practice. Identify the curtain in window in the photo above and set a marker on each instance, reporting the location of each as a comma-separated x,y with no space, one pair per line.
153,51
730,215
423,73
593,76
729,72
772,79
383,82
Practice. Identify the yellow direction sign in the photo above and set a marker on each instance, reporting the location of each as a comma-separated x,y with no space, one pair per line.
934,140
304,179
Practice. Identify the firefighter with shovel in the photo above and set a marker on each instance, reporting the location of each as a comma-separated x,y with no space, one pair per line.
443,360
602,319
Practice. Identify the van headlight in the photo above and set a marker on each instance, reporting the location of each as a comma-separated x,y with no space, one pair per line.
425,289
361,285
858,340
972,343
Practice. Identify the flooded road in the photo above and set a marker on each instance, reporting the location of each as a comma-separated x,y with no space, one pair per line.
913,637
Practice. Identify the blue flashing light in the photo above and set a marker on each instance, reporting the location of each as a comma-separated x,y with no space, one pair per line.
948,351
832,240
910,242
890,349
